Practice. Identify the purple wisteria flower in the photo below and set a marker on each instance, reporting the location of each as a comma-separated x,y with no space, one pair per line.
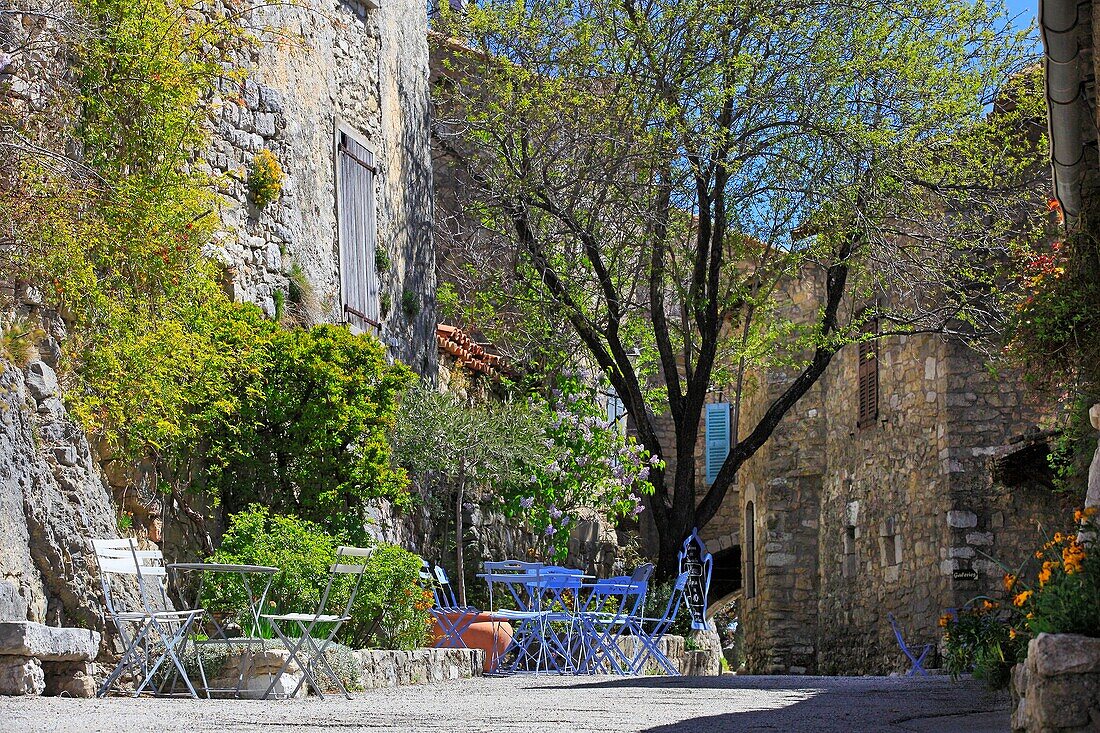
555,513
654,460
549,530
644,473
638,509
527,502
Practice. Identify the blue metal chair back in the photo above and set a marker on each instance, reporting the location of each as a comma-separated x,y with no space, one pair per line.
672,608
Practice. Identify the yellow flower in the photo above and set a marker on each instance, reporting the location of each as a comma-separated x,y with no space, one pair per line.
1021,599
1012,633
1009,581
1038,554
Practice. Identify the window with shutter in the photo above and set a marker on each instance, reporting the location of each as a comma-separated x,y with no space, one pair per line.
355,209
867,373
749,552
717,426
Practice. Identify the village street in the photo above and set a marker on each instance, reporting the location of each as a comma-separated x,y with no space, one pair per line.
547,704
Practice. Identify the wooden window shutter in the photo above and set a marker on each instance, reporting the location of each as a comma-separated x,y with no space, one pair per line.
717,426
357,231
867,373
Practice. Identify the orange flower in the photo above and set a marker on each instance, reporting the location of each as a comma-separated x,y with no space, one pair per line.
945,620
1045,573
1021,599
1012,633
1073,557
1009,581
988,605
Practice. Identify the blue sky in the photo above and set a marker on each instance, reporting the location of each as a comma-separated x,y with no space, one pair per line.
1027,9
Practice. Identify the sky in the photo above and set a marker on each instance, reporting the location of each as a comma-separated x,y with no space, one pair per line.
1026,9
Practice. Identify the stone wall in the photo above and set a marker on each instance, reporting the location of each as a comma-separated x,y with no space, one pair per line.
333,62
1058,687
854,522
52,502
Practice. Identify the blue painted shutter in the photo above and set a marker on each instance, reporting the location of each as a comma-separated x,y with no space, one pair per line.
718,437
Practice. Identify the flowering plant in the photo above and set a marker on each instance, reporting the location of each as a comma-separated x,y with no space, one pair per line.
1066,598
589,468
989,637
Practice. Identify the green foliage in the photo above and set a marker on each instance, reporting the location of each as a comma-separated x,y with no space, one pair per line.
310,434
265,178
410,303
390,608
440,438
382,261
980,639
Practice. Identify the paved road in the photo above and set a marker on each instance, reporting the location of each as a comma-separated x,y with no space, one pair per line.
546,704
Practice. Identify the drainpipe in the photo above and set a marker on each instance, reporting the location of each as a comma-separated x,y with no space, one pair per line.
1066,103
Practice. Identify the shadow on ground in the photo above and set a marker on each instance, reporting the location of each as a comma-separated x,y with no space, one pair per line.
833,704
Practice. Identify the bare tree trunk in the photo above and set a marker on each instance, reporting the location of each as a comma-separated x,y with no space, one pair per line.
460,562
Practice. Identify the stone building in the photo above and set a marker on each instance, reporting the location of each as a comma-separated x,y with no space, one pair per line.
875,495
343,106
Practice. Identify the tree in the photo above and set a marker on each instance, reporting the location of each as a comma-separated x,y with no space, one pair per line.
438,437
659,171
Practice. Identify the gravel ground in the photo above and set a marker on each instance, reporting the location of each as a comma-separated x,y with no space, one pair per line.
548,703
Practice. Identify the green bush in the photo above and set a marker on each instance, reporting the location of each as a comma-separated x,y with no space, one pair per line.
980,640
310,435
390,610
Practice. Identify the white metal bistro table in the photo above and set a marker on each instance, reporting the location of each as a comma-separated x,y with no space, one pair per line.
246,574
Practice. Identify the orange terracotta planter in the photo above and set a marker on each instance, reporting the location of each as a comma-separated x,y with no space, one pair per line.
484,633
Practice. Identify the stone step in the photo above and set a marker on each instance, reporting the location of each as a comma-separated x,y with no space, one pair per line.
47,643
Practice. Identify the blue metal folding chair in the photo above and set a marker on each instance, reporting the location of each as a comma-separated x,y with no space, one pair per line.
649,639
916,660
606,615
453,618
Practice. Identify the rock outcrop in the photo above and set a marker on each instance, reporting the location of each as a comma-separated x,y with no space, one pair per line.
52,503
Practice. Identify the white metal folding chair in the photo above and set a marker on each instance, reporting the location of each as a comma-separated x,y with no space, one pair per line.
315,654
151,624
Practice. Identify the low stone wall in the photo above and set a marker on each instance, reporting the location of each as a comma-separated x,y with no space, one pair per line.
37,659
704,661
1058,687
385,668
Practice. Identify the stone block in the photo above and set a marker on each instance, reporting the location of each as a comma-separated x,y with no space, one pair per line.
1062,654
1094,416
21,675
980,539
41,380
961,519
48,643
71,679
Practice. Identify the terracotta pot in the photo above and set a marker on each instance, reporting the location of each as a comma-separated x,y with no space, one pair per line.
484,633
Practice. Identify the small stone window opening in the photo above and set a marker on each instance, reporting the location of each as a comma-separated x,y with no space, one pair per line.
750,550
889,543
868,379
850,562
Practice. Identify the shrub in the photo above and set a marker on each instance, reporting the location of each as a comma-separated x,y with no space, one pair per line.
587,466
310,437
390,609
265,178
980,639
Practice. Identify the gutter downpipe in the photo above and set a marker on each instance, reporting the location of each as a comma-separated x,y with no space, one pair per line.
1065,97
